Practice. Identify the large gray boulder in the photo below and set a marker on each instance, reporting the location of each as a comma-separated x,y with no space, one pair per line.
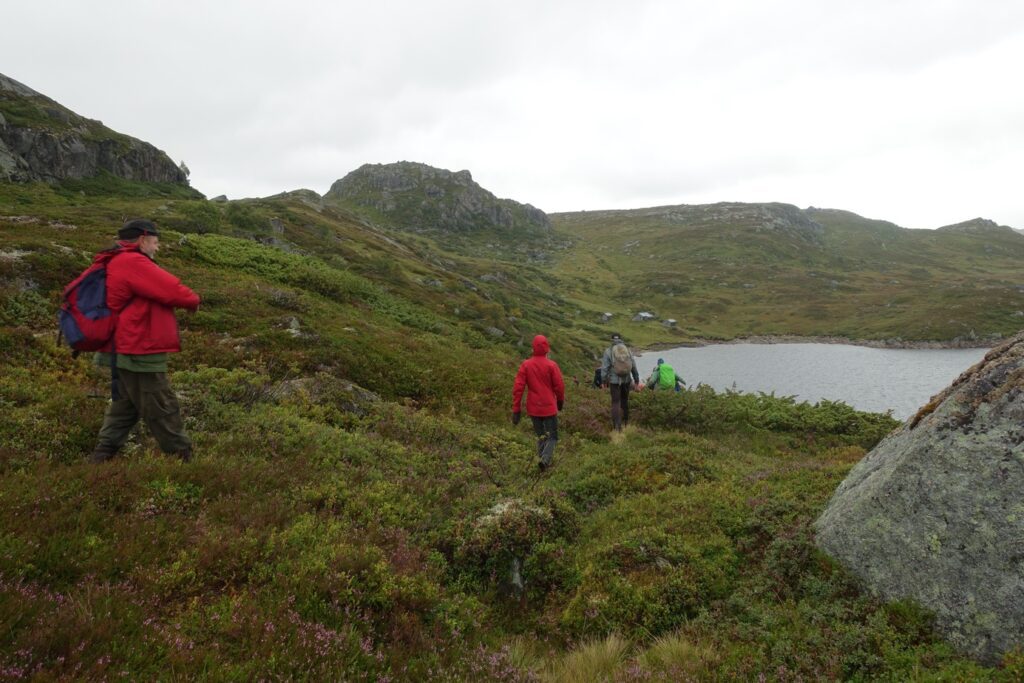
936,511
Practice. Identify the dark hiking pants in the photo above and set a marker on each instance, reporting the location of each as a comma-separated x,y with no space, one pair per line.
145,395
620,404
546,429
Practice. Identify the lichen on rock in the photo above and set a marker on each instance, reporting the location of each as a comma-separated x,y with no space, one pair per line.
936,511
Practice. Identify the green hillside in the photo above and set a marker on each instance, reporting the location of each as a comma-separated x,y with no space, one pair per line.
358,500
733,270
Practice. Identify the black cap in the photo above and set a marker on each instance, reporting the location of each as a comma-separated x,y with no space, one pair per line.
137,227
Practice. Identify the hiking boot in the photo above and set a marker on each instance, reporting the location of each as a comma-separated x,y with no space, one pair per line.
541,465
102,453
185,454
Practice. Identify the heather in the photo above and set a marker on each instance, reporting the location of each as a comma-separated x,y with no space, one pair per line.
360,507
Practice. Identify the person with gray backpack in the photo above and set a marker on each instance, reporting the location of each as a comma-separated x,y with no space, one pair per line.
618,371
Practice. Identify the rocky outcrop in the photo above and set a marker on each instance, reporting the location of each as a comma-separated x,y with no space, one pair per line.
936,511
307,197
978,226
42,140
775,218
324,390
421,198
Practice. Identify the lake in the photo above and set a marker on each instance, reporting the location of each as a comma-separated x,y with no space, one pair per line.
876,380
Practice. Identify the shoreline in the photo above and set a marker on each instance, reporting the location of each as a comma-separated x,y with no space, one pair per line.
798,339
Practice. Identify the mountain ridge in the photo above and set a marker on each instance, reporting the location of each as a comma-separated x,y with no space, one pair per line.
723,270
42,140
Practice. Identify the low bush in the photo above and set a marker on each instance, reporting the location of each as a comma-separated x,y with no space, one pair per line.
702,410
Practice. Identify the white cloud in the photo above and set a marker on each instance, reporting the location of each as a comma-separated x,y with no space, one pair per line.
899,109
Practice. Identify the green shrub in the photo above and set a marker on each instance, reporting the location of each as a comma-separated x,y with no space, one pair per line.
27,309
246,218
702,410
195,217
510,531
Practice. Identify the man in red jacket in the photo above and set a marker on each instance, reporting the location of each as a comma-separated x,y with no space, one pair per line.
542,379
143,296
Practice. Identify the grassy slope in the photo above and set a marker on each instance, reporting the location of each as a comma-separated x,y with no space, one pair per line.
321,534
859,279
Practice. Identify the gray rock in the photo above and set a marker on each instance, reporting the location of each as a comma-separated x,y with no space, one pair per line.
936,511
12,86
325,389
220,199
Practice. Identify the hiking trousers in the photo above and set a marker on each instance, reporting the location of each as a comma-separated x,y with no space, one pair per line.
145,395
546,429
620,404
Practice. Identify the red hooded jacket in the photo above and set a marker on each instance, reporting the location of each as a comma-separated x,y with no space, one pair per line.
543,379
144,296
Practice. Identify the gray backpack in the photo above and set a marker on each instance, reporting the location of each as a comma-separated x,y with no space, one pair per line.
622,360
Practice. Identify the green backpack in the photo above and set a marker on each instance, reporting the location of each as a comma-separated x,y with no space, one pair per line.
666,376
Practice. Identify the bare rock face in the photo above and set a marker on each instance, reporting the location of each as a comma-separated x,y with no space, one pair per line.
42,140
936,511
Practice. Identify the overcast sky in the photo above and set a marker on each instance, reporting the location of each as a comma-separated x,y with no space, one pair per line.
906,110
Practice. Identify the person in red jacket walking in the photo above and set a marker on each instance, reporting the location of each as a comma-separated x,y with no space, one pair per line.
143,296
545,395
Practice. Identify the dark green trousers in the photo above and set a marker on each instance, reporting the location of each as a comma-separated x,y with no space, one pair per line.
546,429
145,395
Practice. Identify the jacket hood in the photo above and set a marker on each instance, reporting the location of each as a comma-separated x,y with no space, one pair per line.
119,248
540,345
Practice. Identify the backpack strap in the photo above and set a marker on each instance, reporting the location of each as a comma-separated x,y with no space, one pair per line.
115,395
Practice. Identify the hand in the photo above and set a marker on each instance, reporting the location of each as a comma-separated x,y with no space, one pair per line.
516,417
560,404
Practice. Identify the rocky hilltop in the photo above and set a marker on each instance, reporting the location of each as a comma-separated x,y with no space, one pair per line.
43,140
978,226
775,217
422,198
935,511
